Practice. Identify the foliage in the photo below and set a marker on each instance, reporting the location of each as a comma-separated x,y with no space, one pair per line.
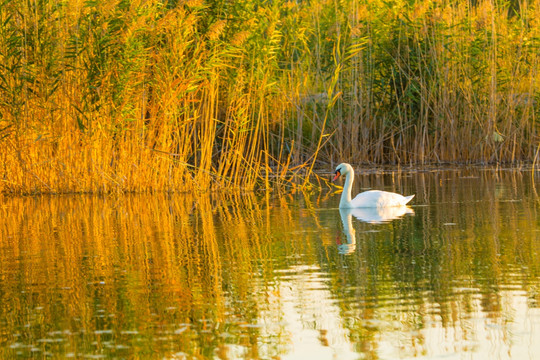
195,95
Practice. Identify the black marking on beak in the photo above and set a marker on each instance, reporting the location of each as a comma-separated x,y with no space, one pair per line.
337,173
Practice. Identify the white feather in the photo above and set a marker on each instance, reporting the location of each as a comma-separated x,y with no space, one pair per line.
367,199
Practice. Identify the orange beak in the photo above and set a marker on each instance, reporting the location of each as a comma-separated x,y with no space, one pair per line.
337,175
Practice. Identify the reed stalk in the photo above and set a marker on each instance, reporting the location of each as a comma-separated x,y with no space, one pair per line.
202,95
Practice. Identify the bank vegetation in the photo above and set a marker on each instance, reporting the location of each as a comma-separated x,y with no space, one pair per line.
147,95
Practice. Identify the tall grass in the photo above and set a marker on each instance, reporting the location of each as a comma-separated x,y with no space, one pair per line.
196,95
423,82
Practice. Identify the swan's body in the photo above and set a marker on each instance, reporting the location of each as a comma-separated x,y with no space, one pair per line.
367,199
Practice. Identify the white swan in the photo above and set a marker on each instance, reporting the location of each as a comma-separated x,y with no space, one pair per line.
367,199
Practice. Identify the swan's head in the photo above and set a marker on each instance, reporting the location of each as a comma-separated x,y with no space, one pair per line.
341,169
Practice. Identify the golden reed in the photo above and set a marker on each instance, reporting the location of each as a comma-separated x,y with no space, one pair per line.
145,96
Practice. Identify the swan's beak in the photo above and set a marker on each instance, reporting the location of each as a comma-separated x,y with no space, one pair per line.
338,173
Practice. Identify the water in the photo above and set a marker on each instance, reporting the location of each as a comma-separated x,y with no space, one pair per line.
263,276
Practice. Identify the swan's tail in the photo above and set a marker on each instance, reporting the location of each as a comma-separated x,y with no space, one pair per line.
407,199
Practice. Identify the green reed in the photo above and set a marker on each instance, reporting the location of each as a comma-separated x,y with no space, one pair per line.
197,95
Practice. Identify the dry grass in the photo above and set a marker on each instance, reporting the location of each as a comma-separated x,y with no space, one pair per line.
141,96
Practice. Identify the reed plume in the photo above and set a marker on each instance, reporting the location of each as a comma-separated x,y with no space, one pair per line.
201,95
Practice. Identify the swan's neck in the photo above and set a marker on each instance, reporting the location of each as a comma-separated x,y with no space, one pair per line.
345,201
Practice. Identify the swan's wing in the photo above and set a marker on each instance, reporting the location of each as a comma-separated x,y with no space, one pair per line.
366,199
377,198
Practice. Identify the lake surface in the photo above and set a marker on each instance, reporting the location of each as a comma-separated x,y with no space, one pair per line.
264,276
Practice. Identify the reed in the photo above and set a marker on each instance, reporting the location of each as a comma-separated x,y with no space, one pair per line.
194,95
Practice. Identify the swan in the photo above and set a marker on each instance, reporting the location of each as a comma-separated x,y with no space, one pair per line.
367,199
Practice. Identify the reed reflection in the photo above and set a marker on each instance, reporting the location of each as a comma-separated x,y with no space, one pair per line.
135,275
242,276
466,262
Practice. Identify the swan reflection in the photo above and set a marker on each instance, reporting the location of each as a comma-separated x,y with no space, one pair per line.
368,215
349,246
378,215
